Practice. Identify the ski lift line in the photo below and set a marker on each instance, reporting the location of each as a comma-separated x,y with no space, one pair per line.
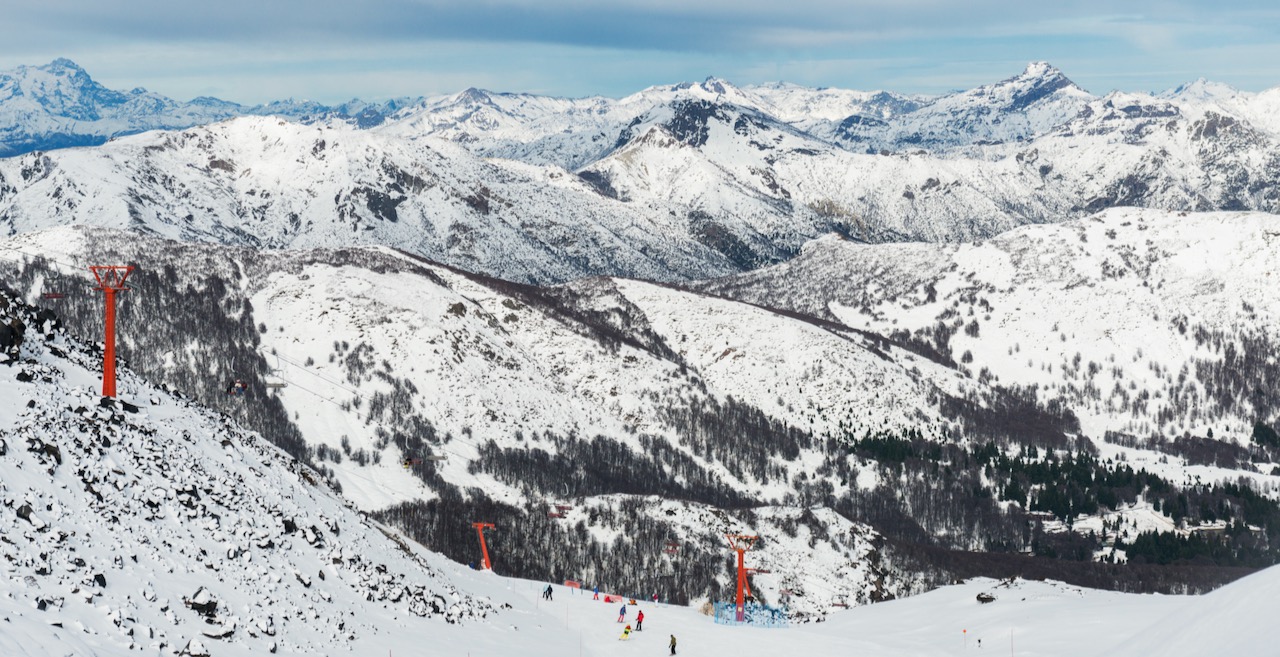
359,416
42,256
312,392
308,370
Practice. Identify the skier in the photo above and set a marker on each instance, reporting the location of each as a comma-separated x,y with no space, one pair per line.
622,613
547,593
17,330
673,644
8,344
597,593
639,620
655,598
626,633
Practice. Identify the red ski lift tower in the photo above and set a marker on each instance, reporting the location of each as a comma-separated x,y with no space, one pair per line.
110,280
741,543
484,550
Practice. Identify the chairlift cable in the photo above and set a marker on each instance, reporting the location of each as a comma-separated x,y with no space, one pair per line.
362,416
308,370
72,268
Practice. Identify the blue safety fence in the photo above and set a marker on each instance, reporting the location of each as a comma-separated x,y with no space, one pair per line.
754,614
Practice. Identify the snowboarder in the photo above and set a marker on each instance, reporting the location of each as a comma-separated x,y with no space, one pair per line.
597,593
673,644
622,613
639,620
626,633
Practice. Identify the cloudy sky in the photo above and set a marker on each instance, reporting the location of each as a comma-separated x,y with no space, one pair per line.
257,50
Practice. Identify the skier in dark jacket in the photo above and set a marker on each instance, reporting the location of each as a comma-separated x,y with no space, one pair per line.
7,342
11,336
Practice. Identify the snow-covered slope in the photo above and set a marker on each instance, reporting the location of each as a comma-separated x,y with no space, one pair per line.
152,524
1144,323
1233,620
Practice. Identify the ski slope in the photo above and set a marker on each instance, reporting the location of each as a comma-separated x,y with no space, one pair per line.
1028,618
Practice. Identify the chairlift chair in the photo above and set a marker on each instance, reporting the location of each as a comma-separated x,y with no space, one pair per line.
274,380
52,295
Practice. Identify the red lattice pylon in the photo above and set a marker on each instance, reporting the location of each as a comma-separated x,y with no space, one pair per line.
110,280
484,549
740,543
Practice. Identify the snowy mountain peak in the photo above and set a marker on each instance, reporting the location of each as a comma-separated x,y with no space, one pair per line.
716,85
1038,81
1041,70
61,88
61,64
1202,90
472,95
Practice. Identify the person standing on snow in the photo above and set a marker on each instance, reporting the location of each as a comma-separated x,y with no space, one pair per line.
622,613
547,593
673,644
597,593
639,620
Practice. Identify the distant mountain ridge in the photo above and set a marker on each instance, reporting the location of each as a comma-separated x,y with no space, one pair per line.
58,105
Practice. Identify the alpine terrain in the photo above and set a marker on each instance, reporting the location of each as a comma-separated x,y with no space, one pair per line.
1001,361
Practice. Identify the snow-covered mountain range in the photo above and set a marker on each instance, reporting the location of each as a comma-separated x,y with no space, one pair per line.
679,182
